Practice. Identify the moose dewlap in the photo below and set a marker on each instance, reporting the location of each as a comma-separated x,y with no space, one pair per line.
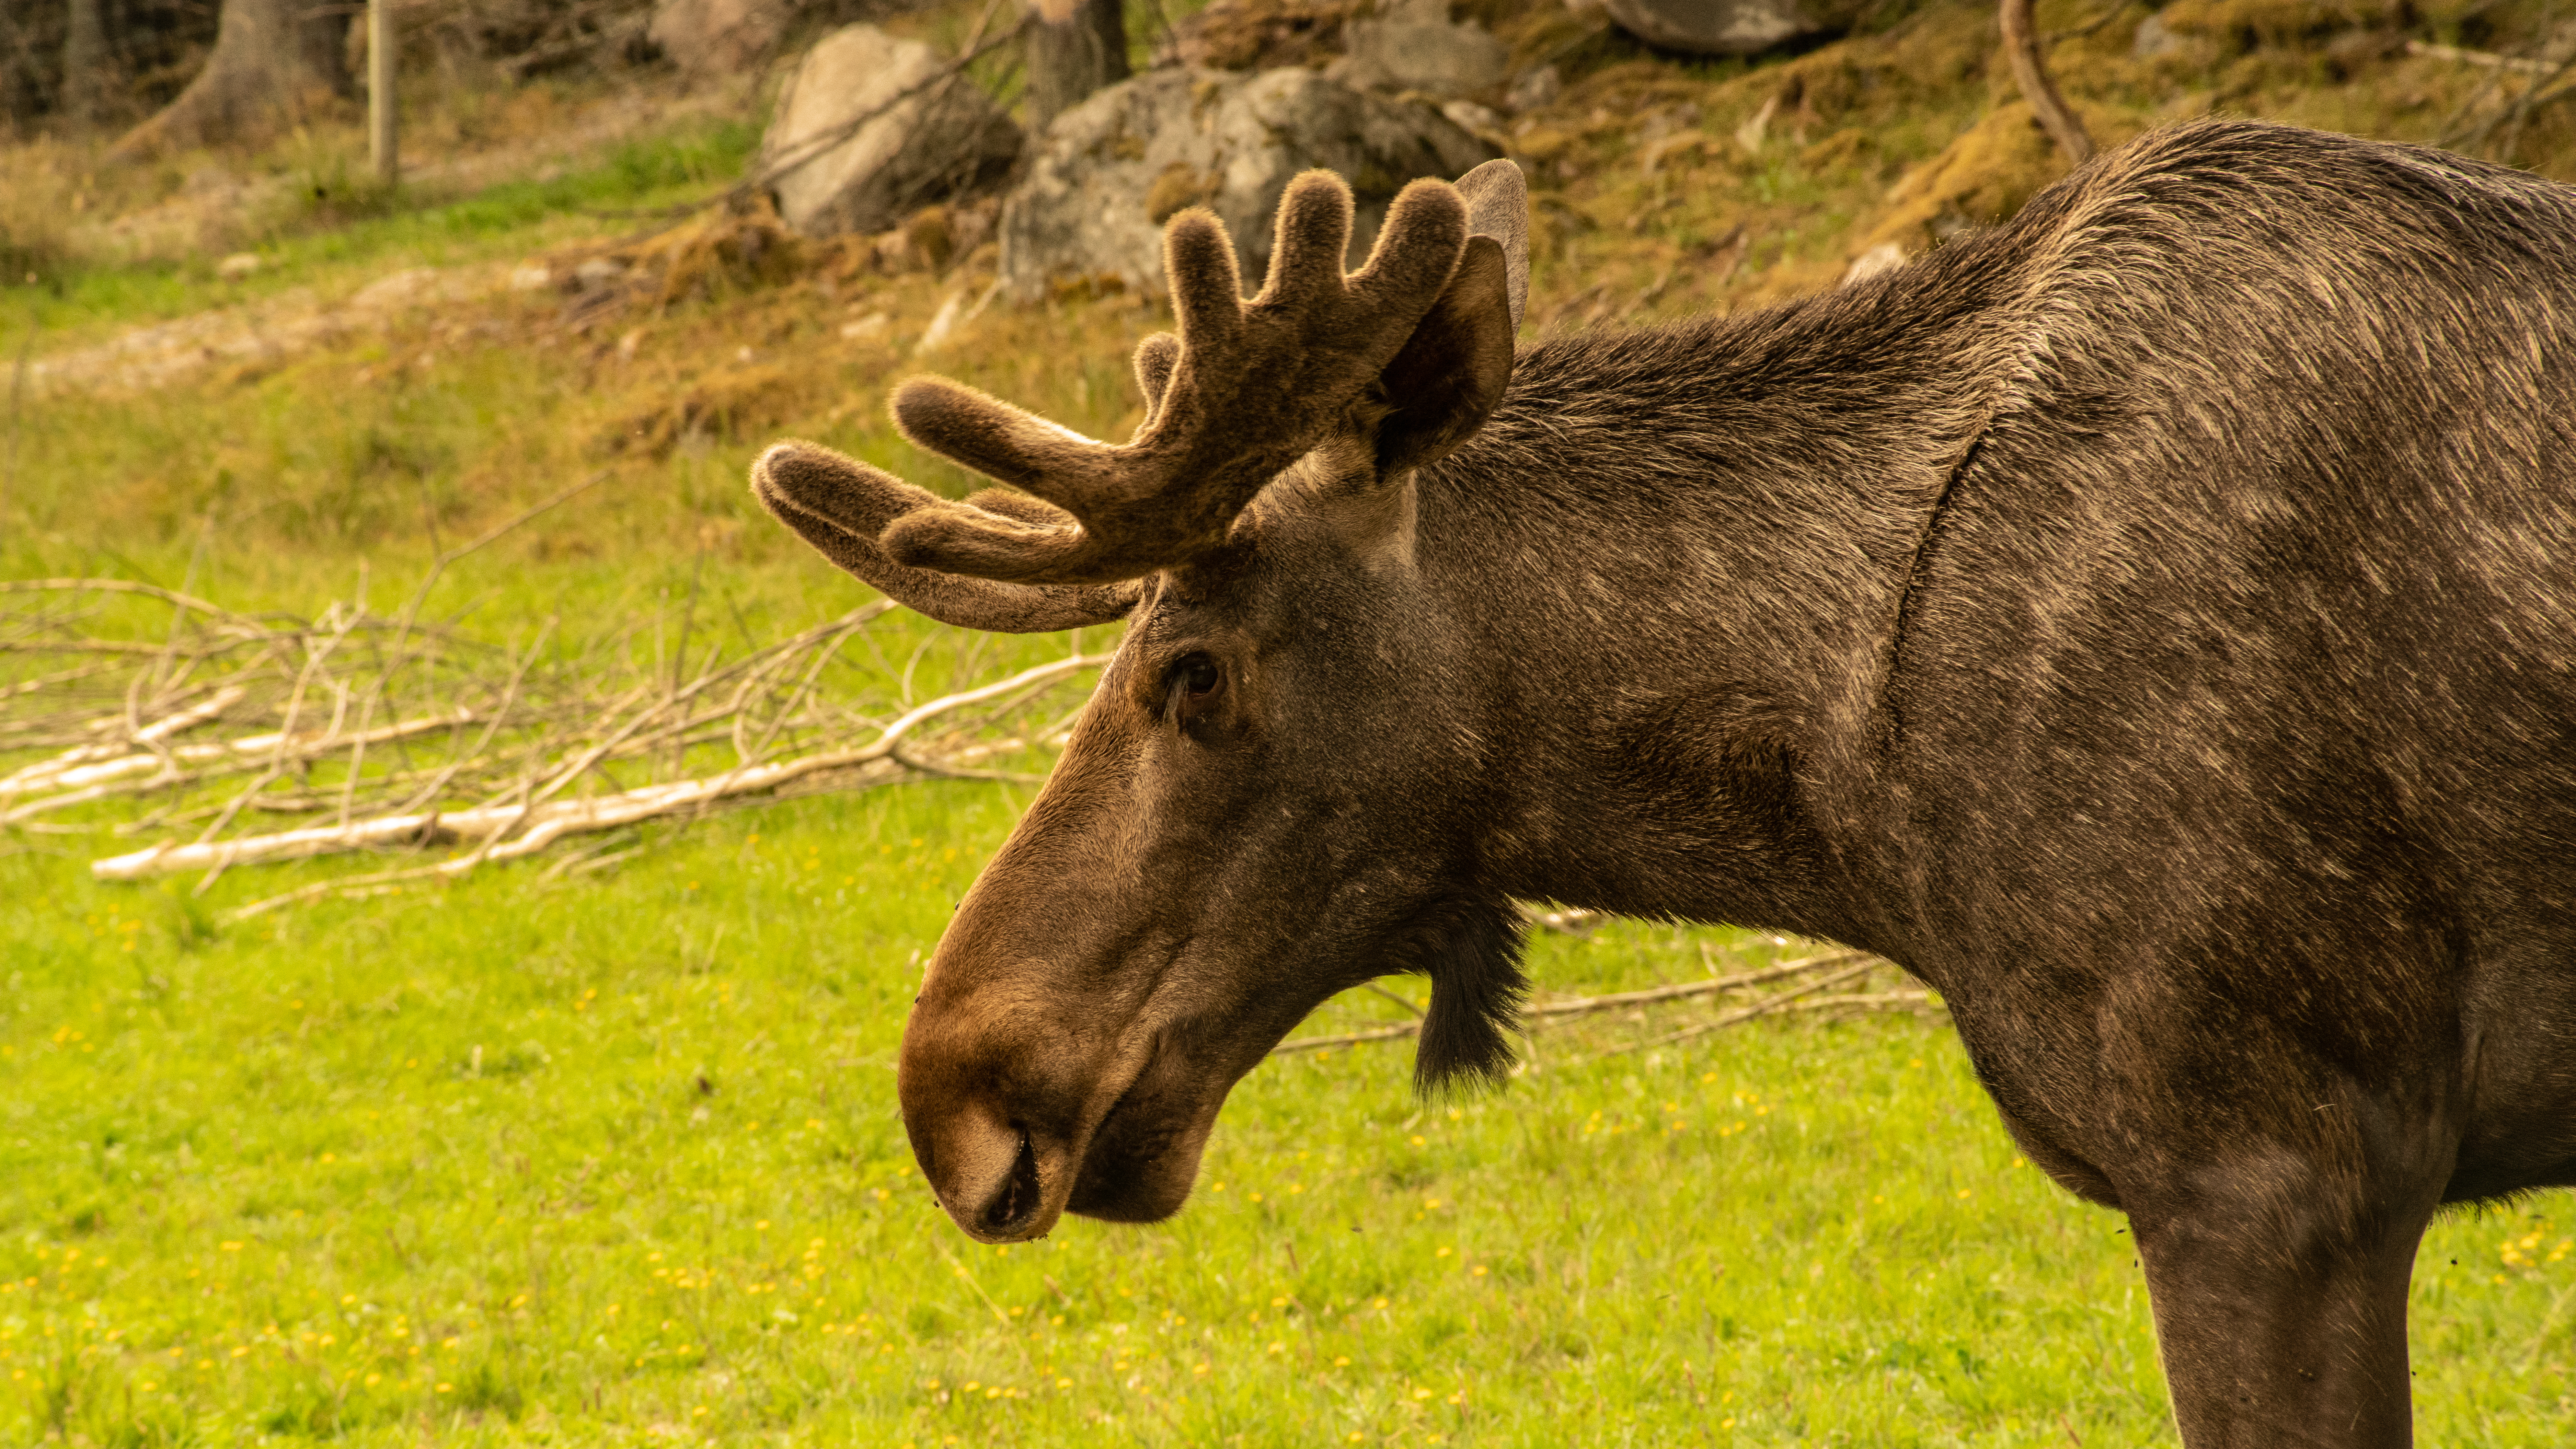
2152,623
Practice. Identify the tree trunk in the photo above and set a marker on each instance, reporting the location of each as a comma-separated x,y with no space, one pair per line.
86,68
274,63
30,36
1074,48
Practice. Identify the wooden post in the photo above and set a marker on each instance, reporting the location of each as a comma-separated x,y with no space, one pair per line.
85,62
380,91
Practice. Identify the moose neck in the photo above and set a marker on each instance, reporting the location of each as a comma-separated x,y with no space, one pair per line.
1683,551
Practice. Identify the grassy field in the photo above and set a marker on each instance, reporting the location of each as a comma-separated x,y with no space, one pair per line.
617,1162
613,1159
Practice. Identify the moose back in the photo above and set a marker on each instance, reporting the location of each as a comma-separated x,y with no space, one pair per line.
2151,622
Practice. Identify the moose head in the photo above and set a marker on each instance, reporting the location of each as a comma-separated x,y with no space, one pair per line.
1263,803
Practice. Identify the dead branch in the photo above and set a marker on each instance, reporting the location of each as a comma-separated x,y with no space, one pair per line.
115,586
2486,58
2030,72
90,782
1588,1005
1746,1013
1585,1006
19,782
510,831
397,732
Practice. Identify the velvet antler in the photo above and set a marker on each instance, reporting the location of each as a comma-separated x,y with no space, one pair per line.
840,505
1247,389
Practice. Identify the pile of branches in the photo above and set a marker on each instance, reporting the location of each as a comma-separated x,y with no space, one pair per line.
227,739
219,739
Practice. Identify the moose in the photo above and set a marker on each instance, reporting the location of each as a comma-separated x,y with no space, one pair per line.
2151,622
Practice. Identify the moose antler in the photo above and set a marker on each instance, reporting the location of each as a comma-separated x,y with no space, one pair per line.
1247,389
840,505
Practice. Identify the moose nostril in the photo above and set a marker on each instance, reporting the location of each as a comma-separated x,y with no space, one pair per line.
1019,1195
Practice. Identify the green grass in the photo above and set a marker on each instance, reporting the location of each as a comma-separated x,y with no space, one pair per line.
514,1163
332,230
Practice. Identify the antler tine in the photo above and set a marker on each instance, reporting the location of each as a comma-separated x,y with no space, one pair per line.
1156,356
1313,235
1247,390
1396,268
1207,284
841,505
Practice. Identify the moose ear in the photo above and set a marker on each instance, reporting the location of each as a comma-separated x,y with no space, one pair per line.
1446,380
1497,198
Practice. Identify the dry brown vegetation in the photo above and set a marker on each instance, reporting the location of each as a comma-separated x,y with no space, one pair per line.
1664,187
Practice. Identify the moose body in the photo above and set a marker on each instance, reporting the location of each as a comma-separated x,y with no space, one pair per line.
2151,622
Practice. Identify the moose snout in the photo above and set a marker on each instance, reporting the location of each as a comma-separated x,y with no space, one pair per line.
1018,1117
993,1116
984,1168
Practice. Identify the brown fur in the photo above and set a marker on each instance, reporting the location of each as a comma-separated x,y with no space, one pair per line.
2153,623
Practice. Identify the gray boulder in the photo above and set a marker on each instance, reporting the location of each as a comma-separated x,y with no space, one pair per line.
1414,46
1731,27
860,160
1111,171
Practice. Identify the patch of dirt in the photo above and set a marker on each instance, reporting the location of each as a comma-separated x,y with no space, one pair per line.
262,334
577,290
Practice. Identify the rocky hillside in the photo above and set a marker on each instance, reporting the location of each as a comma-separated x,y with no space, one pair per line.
577,275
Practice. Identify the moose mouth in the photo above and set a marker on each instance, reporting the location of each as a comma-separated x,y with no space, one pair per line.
1140,1163
1009,1212
1136,1165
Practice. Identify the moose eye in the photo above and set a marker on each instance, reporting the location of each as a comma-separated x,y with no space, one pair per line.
1190,683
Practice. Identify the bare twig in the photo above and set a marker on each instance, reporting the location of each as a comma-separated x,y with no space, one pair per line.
1409,1007
37,775
114,586
1584,1006
1743,1014
2486,58
811,148
2030,72
2464,130
1588,1005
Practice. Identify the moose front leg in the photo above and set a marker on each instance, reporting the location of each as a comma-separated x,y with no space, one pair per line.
2280,1303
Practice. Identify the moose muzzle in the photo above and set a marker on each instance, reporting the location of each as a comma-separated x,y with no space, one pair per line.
997,1098
1026,1099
